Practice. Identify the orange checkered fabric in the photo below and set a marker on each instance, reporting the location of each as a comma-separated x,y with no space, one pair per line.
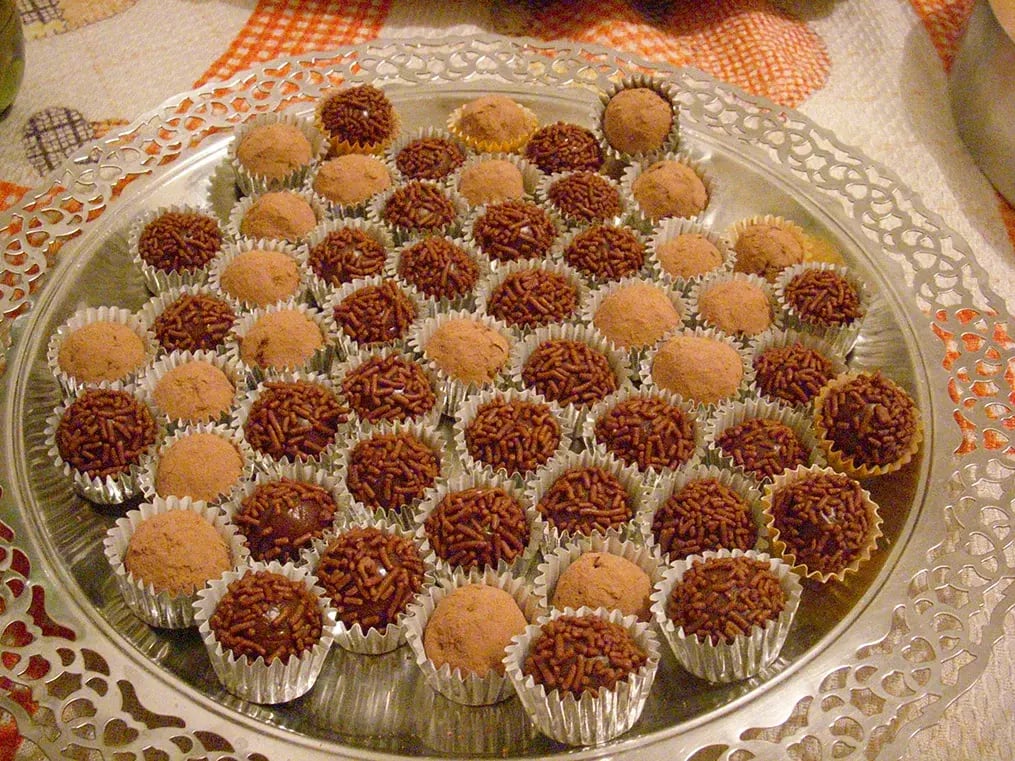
10,194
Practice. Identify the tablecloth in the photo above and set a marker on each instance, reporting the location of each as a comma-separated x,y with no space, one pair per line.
874,72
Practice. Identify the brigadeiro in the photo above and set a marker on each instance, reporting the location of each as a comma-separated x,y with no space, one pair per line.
564,147
372,312
582,198
173,246
357,119
511,230
387,386
342,250
792,367
428,154
445,271
826,300
528,295
417,208
190,319
604,252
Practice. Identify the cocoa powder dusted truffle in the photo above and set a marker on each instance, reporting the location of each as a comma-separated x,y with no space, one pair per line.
585,197
371,575
477,527
279,518
260,277
180,241
532,298
438,267
669,188
345,254
468,350
493,123
202,465
293,420
357,119
736,307
104,350
280,340
569,372
564,147
514,435
391,471
274,151
647,432
586,500
376,313
514,230
429,158
762,447
490,181
704,514
194,322
637,120
105,432
688,255
606,252
277,215
604,580
699,368
351,180
195,391
636,314
419,207
766,248
389,388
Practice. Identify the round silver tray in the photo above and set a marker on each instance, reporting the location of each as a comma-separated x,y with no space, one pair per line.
869,661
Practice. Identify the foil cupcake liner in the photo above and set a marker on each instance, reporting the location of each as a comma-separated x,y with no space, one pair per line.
403,233
234,225
574,415
704,285
545,186
743,486
781,338
554,537
563,243
318,361
781,549
589,720
458,685
345,343
232,250
158,280
520,565
422,133
107,490
748,654
251,183
320,289
336,208
467,414
157,608
651,475
481,145
85,317
149,476
432,438
254,680
642,219
650,380
152,310
660,87
529,173
436,305
373,641
456,391
669,229
158,370
338,146
735,413
845,463
556,563
488,286
841,337
735,230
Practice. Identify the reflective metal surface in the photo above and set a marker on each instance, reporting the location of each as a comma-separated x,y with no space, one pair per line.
868,662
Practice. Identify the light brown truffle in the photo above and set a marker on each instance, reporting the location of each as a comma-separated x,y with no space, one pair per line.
176,552
494,123
491,181
688,255
736,307
280,340
601,579
260,277
765,249
274,151
468,350
637,120
203,466
470,628
281,215
194,392
636,315
101,351
670,189
699,368
351,179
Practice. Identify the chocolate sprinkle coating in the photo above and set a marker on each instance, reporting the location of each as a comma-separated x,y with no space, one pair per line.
391,471
264,614
180,241
824,520
793,374
517,435
585,501
360,115
582,654
606,252
429,158
294,420
869,419
376,313
704,515
514,230
720,599
823,297
194,322
105,431
280,518
439,268
391,388
478,528
533,298
370,575
564,147
763,447
569,372
419,206
346,254
585,197
647,432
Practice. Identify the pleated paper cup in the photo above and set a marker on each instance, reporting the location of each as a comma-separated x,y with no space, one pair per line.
158,280
841,336
251,183
458,685
254,679
490,144
671,228
643,218
157,608
318,361
238,248
157,372
589,720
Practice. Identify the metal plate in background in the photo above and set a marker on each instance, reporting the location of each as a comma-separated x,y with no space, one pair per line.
868,661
